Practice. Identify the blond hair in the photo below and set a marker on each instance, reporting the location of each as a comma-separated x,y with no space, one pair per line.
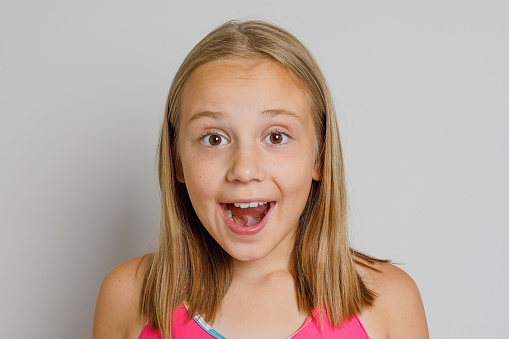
189,265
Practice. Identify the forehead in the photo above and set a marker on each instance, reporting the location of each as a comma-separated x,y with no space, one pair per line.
240,70
233,84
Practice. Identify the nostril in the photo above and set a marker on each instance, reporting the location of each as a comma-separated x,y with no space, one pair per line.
246,167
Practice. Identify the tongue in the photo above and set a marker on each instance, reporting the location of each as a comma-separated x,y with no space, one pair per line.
248,216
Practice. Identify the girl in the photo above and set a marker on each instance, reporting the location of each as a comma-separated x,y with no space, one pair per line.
253,239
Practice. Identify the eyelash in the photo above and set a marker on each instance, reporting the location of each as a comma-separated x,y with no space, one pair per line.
210,133
275,131
281,132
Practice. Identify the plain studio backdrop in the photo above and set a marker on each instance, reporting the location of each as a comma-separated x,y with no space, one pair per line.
421,89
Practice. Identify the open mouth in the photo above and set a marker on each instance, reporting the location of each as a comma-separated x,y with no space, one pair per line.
247,214
247,218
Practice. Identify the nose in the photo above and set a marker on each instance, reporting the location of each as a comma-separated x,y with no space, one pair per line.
246,165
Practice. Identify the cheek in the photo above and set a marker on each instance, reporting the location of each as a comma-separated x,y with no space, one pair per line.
200,181
295,176
297,187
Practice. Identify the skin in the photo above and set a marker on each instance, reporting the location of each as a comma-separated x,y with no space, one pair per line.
248,166
232,111
245,105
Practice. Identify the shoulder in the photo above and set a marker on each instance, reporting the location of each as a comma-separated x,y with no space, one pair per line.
117,312
398,311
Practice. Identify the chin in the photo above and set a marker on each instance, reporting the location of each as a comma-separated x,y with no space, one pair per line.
245,255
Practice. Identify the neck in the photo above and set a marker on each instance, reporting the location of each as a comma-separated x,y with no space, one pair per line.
276,262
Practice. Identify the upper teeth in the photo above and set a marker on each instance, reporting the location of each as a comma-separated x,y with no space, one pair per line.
249,204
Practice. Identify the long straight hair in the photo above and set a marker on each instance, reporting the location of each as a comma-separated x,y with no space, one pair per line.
189,265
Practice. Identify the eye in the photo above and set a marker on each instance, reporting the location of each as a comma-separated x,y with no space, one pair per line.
214,140
276,138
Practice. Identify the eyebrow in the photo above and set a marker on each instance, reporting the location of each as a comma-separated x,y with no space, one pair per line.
270,112
207,114
276,112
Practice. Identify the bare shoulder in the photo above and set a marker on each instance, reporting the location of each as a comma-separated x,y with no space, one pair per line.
398,311
117,311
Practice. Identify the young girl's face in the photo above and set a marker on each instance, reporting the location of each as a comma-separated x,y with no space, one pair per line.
246,148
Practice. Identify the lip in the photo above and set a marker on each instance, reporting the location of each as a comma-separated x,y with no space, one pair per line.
247,230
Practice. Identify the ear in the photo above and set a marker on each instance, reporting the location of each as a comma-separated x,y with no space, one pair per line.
179,174
317,171
178,165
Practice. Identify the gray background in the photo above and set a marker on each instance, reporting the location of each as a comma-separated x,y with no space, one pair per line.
421,89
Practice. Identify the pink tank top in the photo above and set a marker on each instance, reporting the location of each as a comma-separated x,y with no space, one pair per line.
197,328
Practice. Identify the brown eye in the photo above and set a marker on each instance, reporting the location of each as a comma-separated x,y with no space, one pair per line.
213,140
276,138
